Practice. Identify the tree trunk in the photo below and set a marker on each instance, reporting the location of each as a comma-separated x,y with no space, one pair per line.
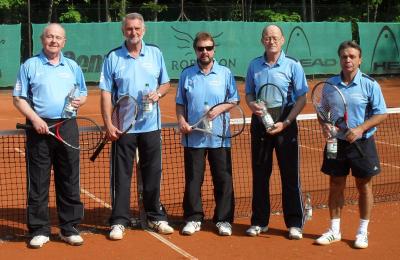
155,13
122,9
107,6
50,13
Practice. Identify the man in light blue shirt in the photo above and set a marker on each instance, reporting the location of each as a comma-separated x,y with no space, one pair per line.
366,110
286,73
43,84
205,82
126,71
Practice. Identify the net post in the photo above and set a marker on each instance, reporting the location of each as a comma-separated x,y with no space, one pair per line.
139,193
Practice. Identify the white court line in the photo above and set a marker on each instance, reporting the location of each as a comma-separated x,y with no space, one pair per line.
171,245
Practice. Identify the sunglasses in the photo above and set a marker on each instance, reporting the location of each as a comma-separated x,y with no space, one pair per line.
201,48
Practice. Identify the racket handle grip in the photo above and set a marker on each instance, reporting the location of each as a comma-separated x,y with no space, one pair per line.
98,150
23,126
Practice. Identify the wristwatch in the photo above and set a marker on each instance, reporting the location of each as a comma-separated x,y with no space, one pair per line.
287,121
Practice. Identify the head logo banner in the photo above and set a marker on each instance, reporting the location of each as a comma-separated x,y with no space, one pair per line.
380,45
10,46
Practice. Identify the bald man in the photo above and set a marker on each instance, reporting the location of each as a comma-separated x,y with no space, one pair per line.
43,83
285,72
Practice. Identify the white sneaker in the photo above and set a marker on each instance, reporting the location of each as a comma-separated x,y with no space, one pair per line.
224,228
117,232
74,240
361,240
191,227
38,241
256,230
161,227
295,233
328,238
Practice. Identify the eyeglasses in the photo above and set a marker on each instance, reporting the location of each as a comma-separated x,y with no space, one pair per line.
202,48
271,39
56,37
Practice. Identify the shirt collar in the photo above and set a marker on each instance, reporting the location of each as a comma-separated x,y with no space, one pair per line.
126,52
214,68
45,60
278,62
355,81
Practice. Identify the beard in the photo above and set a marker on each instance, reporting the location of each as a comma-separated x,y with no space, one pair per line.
204,61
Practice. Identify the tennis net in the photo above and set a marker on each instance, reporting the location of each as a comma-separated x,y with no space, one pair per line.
95,189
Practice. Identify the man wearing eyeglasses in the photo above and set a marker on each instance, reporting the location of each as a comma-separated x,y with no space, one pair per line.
205,82
43,83
285,72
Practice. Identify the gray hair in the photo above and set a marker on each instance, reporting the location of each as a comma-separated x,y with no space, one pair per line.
132,16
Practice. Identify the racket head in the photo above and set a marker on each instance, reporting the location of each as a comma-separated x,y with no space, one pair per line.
90,133
330,104
125,112
273,98
228,123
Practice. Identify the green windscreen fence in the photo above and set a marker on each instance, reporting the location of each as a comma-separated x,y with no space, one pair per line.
380,43
237,43
10,45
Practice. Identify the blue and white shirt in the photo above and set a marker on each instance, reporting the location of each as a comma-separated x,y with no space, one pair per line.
45,86
286,73
364,99
194,89
123,74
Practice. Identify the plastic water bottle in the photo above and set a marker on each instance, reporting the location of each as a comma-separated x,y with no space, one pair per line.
147,103
207,123
266,117
69,110
331,148
308,207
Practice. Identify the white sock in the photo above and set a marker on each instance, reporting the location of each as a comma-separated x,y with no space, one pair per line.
335,225
363,226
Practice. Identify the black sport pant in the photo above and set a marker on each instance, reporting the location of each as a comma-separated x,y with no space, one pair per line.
43,152
122,158
221,171
286,148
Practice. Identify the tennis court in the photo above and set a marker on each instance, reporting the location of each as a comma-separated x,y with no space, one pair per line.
95,195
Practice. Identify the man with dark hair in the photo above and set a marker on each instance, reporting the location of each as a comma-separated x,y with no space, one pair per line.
205,82
367,109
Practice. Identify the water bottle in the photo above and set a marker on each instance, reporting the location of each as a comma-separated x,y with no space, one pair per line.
308,207
69,110
207,123
146,102
331,148
266,117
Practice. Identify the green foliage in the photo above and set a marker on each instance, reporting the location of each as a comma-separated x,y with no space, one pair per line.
8,4
267,15
153,7
71,16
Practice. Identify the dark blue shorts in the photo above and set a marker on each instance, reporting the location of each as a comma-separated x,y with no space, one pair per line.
349,158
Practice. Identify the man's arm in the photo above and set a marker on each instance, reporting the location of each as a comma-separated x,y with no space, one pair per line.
184,127
106,112
355,133
38,124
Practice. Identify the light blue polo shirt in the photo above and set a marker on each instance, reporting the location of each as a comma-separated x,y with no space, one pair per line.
123,74
194,89
286,73
364,99
45,86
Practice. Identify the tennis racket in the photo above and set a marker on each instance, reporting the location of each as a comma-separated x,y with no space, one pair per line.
123,117
271,97
224,120
90,133
331,107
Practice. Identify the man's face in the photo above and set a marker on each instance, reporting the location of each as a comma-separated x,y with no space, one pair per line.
53,40
350,60
205,51
272,40
133,30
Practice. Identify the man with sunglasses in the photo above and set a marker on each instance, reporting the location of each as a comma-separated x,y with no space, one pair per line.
206,81
285,72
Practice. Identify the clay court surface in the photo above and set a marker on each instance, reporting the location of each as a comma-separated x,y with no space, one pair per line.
139,244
